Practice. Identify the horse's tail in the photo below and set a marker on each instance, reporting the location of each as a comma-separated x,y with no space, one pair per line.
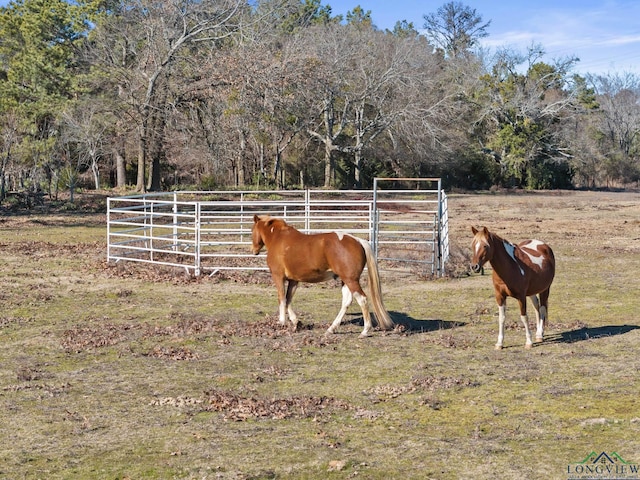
375,291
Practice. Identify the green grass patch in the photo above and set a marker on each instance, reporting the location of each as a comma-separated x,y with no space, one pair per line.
131,371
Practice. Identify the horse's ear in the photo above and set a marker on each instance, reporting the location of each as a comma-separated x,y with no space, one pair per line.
485,231
256,218
474,229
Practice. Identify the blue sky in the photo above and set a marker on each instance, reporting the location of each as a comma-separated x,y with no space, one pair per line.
604,34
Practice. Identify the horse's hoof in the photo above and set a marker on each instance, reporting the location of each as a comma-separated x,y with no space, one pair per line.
498,347
329,332
528,346
365,334
539,339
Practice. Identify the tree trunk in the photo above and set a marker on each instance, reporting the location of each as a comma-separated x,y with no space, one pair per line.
121,170
142,160
328,163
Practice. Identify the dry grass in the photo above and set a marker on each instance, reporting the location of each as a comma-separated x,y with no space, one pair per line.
133,372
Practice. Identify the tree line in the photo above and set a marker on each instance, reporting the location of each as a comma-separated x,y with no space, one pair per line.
166,94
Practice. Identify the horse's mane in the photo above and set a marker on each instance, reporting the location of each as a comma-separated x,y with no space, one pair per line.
278,223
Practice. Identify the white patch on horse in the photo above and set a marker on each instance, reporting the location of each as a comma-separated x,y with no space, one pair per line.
479,244
533,245
511,249
341,234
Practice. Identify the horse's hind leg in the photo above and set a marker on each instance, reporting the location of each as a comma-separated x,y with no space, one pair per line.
544,303
291,290
366,315
539,319
347,298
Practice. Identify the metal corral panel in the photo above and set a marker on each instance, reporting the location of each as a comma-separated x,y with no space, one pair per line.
211,231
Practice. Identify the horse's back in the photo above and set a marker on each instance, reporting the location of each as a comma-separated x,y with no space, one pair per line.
308,257
540,258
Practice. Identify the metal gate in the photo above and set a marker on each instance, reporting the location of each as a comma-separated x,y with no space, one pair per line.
411,219
211,231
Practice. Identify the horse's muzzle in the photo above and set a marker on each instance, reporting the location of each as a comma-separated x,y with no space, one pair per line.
475,267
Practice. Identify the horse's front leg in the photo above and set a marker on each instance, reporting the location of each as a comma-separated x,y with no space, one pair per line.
291,290
502,307
525,320
282,298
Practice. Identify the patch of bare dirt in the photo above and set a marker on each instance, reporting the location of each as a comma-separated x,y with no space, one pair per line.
239,408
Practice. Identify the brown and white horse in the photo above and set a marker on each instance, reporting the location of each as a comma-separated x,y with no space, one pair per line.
519,271
294,257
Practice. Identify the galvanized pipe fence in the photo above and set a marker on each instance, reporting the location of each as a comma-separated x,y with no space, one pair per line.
211,231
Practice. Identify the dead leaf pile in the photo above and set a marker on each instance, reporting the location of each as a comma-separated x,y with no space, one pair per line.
238,408
428,383
173,353
79,339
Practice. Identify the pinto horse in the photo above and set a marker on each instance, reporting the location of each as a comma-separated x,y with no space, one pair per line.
519,271
294,257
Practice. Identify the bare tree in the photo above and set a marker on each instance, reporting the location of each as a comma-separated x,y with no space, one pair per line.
138,48
8,141
87,127
333,49
618,96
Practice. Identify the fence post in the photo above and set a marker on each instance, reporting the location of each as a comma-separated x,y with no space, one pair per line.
151,229
175,221
307,210
374,220
196,247
108,229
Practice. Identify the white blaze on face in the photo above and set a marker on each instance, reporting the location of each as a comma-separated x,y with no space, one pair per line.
479,245
533,245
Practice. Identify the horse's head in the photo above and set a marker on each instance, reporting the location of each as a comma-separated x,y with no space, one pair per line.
257,242
481,248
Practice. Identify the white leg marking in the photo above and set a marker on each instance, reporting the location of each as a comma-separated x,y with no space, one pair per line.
362,301
347,298
536,306
292,315
543,319
525,322
501,317
282,309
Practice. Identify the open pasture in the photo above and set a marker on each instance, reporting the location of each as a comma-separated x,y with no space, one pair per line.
129,371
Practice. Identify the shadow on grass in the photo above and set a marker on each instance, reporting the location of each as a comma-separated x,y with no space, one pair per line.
414,325
586,333
408,325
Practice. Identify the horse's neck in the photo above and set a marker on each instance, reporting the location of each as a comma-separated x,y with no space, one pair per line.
506,252
277,230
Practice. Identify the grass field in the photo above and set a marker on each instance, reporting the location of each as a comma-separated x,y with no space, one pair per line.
132,372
